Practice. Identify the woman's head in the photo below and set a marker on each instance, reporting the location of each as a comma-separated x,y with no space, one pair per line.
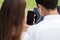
11,15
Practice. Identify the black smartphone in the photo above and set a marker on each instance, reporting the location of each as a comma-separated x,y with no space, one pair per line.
30,17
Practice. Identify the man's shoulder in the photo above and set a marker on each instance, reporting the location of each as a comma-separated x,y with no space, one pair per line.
35,27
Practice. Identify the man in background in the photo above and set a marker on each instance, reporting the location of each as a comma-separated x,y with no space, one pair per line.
49,27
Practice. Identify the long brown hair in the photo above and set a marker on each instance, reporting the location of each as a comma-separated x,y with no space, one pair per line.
11,19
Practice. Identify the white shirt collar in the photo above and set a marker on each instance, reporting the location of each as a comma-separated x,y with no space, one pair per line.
52,17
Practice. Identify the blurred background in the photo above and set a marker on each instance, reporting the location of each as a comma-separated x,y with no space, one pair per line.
30,4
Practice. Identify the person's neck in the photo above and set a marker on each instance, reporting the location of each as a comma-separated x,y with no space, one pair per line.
53,12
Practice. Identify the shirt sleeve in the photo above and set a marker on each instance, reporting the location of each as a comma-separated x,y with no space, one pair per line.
25,36
30,34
